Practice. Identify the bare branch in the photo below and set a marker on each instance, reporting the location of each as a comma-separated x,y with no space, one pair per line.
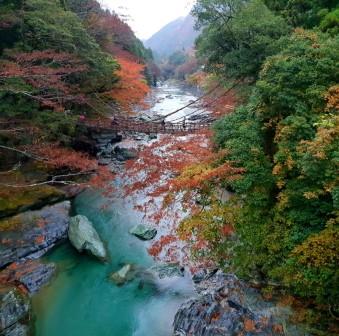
30,155
53,180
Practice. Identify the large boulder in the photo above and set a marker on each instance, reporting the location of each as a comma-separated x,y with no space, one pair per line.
14,307
221,309
85,238
143,232
32,274
33,232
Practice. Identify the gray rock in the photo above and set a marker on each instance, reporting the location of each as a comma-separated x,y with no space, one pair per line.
33,231
143,232
125,274
84,237
31,273
104,161
221,310
199,276
124,154
17,329
168,270
153,136
14,307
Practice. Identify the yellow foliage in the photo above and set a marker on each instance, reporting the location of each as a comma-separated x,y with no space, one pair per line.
319,250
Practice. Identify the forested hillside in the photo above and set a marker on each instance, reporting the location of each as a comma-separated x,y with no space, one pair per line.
281,226
61,62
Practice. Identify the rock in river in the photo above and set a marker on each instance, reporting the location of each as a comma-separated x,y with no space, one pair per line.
33,232
124,275
221,309
84,237
168,270
14,307
143,232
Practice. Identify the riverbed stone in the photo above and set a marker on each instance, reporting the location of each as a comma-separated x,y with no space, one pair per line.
33,231
32,274
143,232
14,307
221,309
168,270
85,238
125,274
124,154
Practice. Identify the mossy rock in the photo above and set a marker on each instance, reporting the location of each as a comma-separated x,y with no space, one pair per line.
19,200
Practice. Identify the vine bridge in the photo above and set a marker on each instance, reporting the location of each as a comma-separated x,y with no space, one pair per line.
192,122
121,124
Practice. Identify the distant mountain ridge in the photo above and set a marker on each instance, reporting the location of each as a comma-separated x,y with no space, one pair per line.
177,35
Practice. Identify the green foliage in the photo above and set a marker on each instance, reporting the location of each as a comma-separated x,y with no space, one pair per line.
46,25
42,25
237,35
286,137
330,23
312,269
302,13
287,141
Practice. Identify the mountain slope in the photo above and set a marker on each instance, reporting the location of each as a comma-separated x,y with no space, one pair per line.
178,34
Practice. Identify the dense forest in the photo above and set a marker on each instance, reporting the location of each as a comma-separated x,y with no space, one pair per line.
282,225
61,62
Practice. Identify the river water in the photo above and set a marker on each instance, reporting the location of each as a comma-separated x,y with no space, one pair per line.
82,300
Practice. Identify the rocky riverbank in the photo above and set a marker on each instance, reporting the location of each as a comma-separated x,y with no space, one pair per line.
221,309
33,221
24,239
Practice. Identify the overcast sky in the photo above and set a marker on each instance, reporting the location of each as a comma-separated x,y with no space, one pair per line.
148,16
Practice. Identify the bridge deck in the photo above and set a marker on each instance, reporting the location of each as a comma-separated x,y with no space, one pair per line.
135,125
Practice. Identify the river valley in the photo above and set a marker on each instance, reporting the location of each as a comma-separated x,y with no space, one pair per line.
82,300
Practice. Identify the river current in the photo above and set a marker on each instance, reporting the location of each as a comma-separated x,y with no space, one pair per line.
82,300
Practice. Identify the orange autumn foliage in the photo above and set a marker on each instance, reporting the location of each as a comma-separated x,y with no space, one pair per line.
158,246
132,87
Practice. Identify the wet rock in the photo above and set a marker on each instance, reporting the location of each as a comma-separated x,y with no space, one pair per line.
124,154
199,276
168,270
221,309
33,231
31,273
84,237
153,136
104,161
143,232
14,307
125,274
16,330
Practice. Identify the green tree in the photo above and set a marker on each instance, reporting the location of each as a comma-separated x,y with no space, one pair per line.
237,36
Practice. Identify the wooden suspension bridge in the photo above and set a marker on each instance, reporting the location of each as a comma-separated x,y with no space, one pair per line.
125,124
192,122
